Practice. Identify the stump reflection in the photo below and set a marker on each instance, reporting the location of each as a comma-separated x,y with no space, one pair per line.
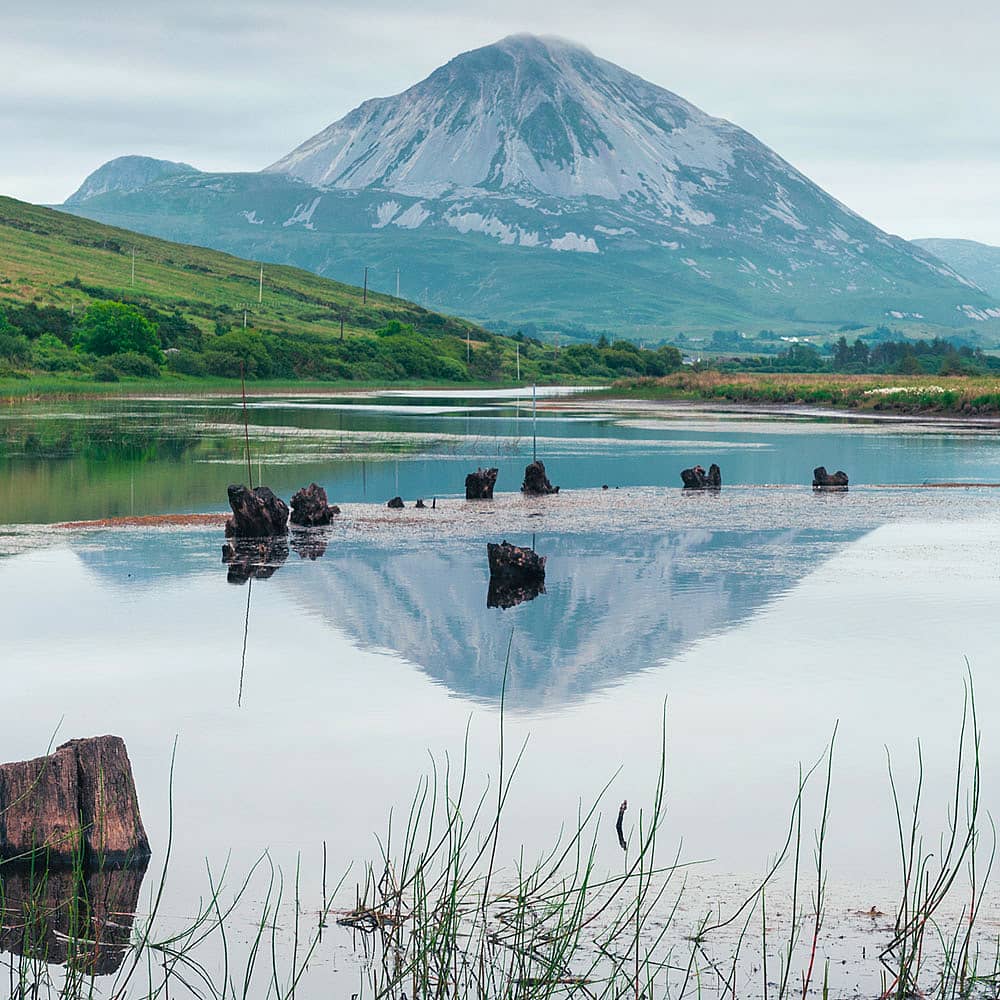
75,917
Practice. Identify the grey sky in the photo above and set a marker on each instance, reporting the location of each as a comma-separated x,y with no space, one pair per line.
893,106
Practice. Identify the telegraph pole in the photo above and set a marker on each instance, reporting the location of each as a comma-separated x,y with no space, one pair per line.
518,349
397,282
364,297
260,287
133,267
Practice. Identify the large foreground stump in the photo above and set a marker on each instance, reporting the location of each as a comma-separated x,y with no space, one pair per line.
310,507
257,513
516,575
696,478
82,796
479,484
823,480
536,483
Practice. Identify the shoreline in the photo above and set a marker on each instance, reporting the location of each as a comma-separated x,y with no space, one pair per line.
958,401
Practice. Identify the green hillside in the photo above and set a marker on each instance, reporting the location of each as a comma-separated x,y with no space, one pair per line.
192,313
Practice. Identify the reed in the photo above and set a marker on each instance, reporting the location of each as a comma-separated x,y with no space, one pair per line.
438,913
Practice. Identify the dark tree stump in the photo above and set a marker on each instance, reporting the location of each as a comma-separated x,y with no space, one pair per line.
310,507
420,505
823,480
536,483
516,575
83,795
396,503
479,484
257,513
696,478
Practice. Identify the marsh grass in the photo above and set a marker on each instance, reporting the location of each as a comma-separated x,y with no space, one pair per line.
440,914
964,395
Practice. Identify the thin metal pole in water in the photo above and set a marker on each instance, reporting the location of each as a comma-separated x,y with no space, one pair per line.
246,632
246,425
534,426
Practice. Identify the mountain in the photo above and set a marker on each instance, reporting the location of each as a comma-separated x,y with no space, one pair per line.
126,173
532,182
979,262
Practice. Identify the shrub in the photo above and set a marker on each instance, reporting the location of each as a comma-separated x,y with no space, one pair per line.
134,364
452,370
14,347
51,354
105,372
186,362
115,328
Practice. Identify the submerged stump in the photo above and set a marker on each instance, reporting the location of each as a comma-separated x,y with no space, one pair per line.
823,480
536,482
257,513
479,484
79,800
696,478
516,575
311,509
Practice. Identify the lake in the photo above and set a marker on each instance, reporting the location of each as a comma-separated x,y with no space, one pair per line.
307,705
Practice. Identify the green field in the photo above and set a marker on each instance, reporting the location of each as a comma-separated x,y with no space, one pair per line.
215,317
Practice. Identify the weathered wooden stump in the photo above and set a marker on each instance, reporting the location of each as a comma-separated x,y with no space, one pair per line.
479,484
80,799
516,575
257,513
254,558
696,478
310,507
396,503
823,480
536,483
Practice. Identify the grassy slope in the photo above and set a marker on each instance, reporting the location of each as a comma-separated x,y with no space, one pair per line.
41,249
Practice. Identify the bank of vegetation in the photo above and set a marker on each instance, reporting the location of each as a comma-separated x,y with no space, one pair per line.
83,305
906,394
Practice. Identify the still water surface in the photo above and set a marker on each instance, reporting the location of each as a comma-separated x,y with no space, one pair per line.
758,617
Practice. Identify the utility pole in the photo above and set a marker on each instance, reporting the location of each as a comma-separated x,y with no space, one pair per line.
133,267
244,318
468,346
364,297
518,350
397,282
260,287
341,326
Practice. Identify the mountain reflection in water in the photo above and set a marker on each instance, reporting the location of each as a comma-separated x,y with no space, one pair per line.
614,604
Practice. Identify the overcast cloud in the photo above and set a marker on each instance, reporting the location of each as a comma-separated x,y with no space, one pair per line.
891,106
